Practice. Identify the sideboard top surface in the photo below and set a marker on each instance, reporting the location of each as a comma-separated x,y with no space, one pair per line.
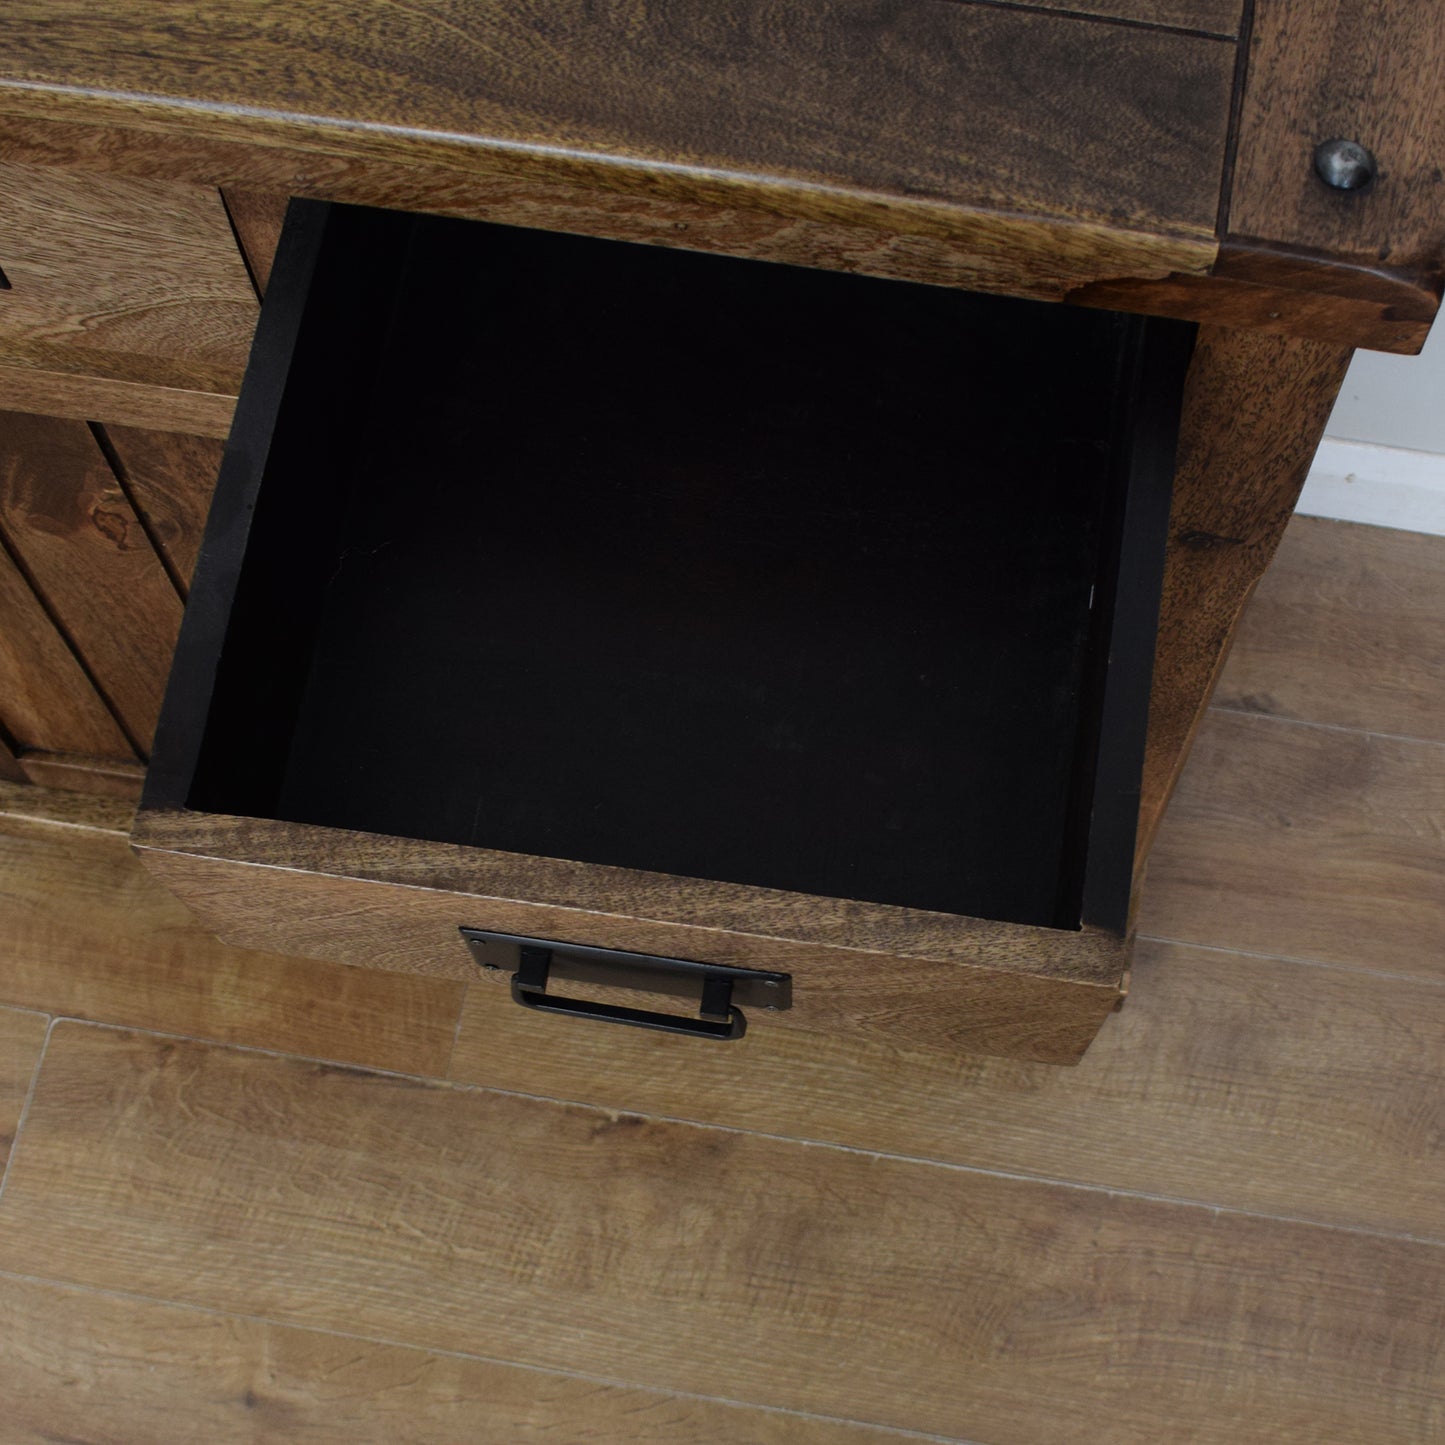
1150,155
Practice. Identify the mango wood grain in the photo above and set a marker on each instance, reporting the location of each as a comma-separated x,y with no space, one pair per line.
1358,70
90,398
802,172
66,809
85,932
166,1375
132,280
110,777
1254,409
22,1036
46,699
67,519
1304,841
1251,1083
927,978
898,1293
1346,628
169,477
257,218
861,97
1214,17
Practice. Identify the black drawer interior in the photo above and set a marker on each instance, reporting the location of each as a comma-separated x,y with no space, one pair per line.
703,566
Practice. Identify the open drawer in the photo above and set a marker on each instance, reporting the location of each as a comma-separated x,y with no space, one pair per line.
653,603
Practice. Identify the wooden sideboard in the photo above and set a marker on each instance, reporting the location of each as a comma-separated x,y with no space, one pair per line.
1150,156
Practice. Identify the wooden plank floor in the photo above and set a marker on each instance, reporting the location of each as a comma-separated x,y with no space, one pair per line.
262,1199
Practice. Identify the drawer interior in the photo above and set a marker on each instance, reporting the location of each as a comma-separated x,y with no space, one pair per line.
707,567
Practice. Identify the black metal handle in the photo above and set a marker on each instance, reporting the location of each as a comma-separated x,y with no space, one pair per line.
718,1018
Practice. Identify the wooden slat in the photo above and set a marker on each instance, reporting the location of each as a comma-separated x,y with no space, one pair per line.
66,809
1255,407
22,1036
1308,842
125,279
169,1376
92,398
1359,70
1346,628
10,771
169,477
65,516
1301,1091
85,932
46,700
111,777
693,1259
257,217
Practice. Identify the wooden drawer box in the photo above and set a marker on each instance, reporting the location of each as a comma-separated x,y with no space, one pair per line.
642,600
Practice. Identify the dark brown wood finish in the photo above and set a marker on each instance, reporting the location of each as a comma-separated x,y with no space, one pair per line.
1255,407
1370,71
860,97
1212,17
68,521
46,699
169,478
821,134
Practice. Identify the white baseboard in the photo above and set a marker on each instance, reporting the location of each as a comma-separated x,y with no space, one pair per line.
1382,486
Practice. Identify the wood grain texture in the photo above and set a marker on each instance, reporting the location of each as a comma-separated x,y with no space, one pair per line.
110,777
131,280
899,1293
22,1036
1345,628
90,398
86,931
66,809
929,978
1362,70
64,515
1304,841
1305,1092
1254,409
861,97
257,217
172,1376
46,700
1214,17
474,66
1222,300
169,477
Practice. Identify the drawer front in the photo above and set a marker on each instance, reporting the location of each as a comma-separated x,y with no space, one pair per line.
123,280
634,600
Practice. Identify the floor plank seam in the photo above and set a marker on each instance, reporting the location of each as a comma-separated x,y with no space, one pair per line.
1051,1181
40,820
386,1342
1351,968
25,1105
1271,717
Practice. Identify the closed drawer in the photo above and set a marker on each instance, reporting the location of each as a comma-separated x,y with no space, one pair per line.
126,280
681,606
